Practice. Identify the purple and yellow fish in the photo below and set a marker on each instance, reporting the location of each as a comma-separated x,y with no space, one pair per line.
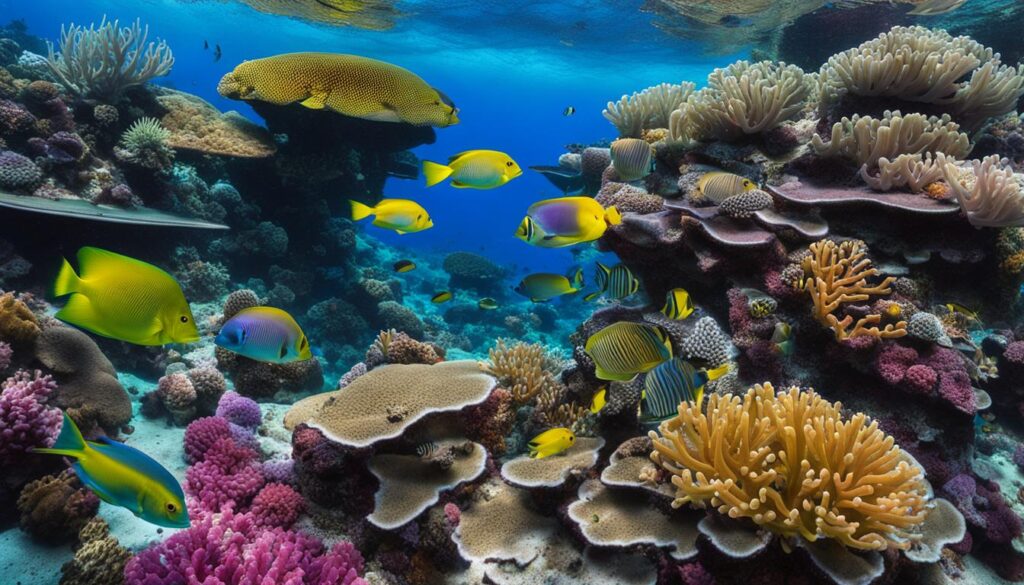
265,334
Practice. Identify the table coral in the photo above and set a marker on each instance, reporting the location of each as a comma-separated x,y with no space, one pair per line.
865,494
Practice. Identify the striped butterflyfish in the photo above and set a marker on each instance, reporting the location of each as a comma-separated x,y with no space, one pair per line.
671,383
678,304
631,158
622,350
718,186
617,282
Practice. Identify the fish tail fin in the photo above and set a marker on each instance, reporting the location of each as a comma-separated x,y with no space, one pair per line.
603,276
435,173
577,278
612,216
67,280
69,442
718,372
699,398
592,296
360,210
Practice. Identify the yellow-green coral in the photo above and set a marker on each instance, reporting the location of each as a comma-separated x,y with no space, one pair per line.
793,465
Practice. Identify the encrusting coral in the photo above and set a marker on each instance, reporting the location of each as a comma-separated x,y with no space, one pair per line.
800,468
838,274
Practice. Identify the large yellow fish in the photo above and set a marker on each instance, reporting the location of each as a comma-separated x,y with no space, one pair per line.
401,215
551,442
347,84
123,476
473,169
624,349
565,221
123,298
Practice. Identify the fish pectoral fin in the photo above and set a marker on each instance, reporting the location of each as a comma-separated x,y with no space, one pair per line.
401,232
317,100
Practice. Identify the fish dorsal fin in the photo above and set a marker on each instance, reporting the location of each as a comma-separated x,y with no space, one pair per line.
135,459
463,154
93,261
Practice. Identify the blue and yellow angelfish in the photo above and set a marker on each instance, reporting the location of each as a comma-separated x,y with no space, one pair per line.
123,476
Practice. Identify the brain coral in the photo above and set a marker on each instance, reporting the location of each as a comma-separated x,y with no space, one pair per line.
17,171
800,468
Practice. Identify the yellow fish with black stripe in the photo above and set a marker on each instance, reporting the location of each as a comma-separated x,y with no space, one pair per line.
123,298
718,186
123,476
551,442
672,382
678,304
400,215
617,282
473,169
622,350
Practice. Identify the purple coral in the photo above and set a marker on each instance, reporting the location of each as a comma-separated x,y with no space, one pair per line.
277,505
228,475
201,434
983,507
240,410
17,171
233,549
26,420
14,118
6,353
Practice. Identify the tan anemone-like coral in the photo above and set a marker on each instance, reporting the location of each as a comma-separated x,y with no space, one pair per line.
838,274
647,109
196,125
525,369
989,193
793,465
866,140
929,66
910,171
743,98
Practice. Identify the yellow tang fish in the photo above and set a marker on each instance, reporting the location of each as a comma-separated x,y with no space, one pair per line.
123,298
565,221
718,186
599,400
678,304
401,215
347,84
123,476
622,350
551,442
441,297
958,308
473,169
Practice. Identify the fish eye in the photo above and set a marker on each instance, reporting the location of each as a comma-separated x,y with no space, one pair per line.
183,319
509,163
171,507
437,103
420,216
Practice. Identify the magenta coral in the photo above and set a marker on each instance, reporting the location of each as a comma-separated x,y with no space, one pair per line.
6,353
228,475
277,505
920,378
201,434
234,550
894,360
240,410
26,420
1014,353
984,508
955,388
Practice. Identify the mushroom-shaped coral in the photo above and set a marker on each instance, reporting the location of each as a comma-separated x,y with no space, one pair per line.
879,499
524,533
524,471
621,519
630,466
384,402
410,484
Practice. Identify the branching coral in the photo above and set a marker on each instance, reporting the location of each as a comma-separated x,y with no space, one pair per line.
742,99
921,65
647,109
839,274
793,465
866,140
991,195
102,61
907,170
525,369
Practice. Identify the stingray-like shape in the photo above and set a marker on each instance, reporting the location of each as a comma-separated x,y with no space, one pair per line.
555,470
568,181
804,195
82,209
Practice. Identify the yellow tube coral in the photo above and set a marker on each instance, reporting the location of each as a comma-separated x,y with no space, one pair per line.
790,463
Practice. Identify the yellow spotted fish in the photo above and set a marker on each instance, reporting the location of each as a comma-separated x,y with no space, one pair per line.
678,304
473,169
631,158
718,186
565,221
123,298
401,215
551,442
622,350
347,84
123,476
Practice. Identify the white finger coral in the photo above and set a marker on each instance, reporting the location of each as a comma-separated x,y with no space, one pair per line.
647,109
989,194
866,140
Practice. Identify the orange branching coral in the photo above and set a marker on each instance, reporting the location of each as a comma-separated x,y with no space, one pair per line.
525,369
17,323
839,274
555,411
791,464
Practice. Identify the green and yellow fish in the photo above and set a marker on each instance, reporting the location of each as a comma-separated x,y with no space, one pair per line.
473,169
622,350
551,442
565,221
544,286
617,282
672,382
347,84
678,304
123,298
401,215
487,304
404,266
264,334
953,307
442,297
123,476
718,186
599,400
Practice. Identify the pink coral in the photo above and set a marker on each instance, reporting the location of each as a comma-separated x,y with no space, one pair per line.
201,434
228,475
894,360
1014,353
452,514
232,549
178,395
6,353
26,420
240,410
955,388
920,378
277,505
